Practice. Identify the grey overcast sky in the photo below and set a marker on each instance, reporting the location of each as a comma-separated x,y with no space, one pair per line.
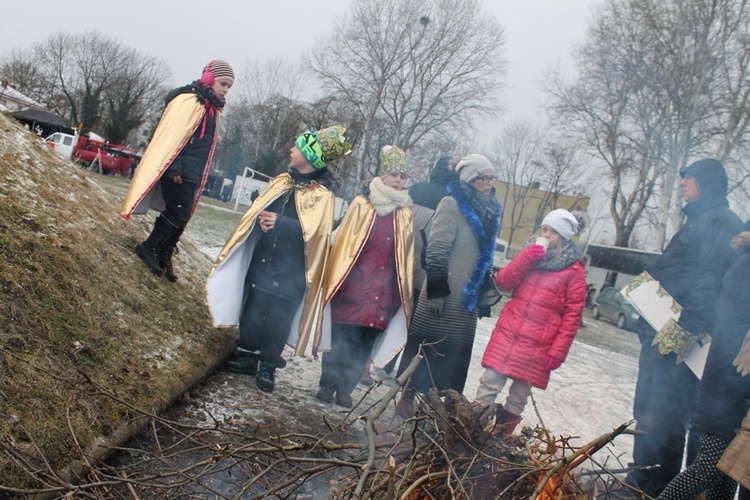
540,34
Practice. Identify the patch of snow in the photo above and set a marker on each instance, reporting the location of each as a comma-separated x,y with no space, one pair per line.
163,357
588,396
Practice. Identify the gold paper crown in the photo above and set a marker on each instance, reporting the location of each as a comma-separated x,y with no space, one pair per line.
393,160
332,142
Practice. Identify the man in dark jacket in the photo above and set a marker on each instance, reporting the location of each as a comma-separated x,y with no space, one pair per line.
426,196
429,194
691,270
724,394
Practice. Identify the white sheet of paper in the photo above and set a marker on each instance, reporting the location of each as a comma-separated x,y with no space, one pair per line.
653,308
696,359
657,310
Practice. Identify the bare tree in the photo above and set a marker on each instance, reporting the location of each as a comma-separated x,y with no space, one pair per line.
659,82
19,69
136,89
91,80
420,66
273,89
517,155
565,172
78,69
597,112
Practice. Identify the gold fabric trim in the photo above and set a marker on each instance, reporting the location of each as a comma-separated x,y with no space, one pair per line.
179,121
350,239
315,208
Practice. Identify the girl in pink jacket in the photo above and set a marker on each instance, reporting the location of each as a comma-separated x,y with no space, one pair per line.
537,326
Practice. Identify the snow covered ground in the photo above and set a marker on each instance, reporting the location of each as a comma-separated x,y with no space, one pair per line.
589,395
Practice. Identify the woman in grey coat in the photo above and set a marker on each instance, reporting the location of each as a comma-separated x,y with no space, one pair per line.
459,255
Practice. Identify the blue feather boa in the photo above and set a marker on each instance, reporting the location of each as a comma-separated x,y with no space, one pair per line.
486,244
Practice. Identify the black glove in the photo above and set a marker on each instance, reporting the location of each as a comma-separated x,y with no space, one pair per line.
436,306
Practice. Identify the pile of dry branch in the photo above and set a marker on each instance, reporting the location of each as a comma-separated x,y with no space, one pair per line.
449,449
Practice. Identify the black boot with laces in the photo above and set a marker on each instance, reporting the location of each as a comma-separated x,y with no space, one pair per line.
265,378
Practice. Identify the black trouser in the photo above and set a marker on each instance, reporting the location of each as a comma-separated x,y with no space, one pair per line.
179,199
350,349
664,403
264,325
702,475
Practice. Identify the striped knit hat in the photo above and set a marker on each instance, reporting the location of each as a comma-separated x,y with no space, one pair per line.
218,68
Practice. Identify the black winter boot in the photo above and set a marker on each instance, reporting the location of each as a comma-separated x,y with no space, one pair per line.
245,364
168,248
325,394
265,377
148,250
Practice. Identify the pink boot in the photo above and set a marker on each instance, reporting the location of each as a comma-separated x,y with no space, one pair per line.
506,421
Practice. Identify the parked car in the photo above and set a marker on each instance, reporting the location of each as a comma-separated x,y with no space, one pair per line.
500,257
610,304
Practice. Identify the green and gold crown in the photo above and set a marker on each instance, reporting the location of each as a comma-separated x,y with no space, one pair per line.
393,160
323,146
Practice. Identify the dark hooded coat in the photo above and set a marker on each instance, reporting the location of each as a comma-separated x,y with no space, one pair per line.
429,194
691,270
694,262
724,394
426,197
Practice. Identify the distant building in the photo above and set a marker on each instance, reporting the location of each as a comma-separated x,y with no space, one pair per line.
524,207
13,100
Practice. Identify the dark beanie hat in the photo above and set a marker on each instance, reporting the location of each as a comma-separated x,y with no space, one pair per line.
711,176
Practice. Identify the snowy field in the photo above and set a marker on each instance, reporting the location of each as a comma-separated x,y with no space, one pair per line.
589,395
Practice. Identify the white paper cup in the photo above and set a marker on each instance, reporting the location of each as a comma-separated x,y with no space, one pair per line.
543,241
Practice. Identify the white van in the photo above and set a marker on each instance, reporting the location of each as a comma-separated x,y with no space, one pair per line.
62,143
501,251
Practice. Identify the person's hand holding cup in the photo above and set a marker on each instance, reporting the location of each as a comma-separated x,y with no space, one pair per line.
539,249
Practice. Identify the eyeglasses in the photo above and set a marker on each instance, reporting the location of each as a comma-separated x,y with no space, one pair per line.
486,178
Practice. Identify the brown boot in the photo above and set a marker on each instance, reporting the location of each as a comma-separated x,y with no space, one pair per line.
405,405
506,421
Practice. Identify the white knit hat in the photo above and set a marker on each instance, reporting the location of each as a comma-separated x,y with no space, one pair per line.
473,166
561,221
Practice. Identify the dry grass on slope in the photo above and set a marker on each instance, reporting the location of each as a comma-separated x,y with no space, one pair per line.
73,301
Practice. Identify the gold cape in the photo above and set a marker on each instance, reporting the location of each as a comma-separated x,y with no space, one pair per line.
177,124
351,236
315,208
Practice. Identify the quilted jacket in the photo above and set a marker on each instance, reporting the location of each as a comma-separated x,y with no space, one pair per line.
541,319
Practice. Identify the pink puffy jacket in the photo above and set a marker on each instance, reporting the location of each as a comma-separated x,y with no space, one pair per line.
541,319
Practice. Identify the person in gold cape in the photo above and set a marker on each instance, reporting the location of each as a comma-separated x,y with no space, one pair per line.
171,175
272,265
368,285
